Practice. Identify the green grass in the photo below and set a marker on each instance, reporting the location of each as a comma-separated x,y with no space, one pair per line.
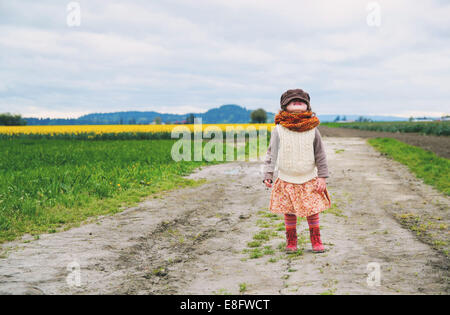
254,244
46,185
329,292
432,169
438,128
262,235
90,136
221,292
335,210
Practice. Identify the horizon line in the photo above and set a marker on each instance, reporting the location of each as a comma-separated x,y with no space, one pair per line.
326,114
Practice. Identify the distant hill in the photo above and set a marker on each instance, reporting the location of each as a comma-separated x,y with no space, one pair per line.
230,113
224,114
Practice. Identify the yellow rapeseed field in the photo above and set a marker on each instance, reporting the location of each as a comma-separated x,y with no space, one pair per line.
103,129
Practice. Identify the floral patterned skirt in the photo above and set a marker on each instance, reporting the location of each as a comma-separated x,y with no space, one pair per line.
300,199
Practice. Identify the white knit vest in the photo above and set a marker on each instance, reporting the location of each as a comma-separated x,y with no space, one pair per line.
296,162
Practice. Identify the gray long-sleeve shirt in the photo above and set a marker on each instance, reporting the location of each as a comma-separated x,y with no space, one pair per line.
272,155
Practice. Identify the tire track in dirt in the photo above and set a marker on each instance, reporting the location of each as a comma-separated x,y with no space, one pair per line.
195,240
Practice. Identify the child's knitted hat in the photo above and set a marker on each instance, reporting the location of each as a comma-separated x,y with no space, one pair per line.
290,95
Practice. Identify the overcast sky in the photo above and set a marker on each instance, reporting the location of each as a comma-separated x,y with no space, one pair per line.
180,56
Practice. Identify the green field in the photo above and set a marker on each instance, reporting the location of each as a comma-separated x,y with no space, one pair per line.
90,136
46,185
438,128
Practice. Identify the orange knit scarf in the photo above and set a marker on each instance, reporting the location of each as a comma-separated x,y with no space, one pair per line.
297,121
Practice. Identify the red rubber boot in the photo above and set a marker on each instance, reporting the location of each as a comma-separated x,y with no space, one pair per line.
316,243
291,240
290,221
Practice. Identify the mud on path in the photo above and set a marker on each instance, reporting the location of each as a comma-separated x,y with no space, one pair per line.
195,240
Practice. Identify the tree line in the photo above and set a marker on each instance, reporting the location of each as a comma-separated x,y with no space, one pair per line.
6,119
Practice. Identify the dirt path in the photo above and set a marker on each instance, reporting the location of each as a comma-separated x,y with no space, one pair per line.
194,240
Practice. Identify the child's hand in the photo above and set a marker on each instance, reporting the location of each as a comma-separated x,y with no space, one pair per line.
321,184
268,182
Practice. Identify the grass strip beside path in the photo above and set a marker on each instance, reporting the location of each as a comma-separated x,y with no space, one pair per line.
432,169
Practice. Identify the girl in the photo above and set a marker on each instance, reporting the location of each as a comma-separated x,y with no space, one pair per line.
300,189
